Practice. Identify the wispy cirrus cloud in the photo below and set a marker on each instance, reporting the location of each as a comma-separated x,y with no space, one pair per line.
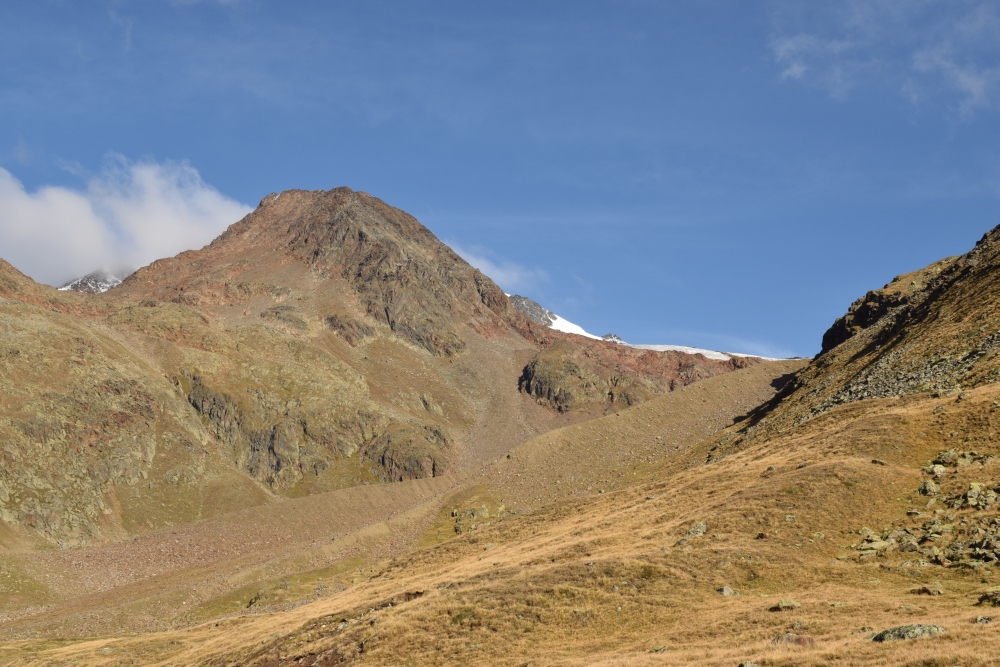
797,54
929,51
977,86
129,214
508,275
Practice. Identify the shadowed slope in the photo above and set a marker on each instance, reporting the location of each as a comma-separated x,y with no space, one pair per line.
603,454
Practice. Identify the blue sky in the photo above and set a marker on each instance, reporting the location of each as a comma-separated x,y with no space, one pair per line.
728,175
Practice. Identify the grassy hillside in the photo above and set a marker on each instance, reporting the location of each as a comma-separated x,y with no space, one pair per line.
325,341
750,518
632,576
261,564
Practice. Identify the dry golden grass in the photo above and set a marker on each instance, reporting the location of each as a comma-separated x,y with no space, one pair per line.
534,596
603,579
272,551
601,542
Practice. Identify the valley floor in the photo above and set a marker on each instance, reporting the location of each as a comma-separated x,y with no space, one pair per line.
605,543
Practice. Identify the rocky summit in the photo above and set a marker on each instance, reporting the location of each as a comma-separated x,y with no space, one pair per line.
325,439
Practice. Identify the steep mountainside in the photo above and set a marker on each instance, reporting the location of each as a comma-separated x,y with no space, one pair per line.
933,330
565,375
533,310
254,562
327,340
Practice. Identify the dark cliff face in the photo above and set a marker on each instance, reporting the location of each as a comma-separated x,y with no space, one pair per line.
862,314
903,293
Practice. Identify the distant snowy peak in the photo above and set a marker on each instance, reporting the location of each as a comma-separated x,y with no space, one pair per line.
93,283
536,313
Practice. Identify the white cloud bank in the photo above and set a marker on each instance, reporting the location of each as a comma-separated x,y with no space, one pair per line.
128,215
508,275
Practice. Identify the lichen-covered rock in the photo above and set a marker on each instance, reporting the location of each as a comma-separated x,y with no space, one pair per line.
352,330
979,496
697,530
903,632
409,452
786,605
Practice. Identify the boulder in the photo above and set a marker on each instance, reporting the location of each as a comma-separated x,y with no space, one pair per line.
785,605
794,639
979,496
698,530
877,545
929,488
908,632
990,599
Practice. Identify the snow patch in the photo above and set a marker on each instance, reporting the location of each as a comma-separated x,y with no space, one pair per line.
545,317
710,354
564,325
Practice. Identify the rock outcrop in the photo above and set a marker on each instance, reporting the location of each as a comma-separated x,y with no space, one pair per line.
604,374
532,310
928,331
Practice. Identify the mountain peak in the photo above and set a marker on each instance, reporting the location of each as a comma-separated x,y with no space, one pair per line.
93,283
399,273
